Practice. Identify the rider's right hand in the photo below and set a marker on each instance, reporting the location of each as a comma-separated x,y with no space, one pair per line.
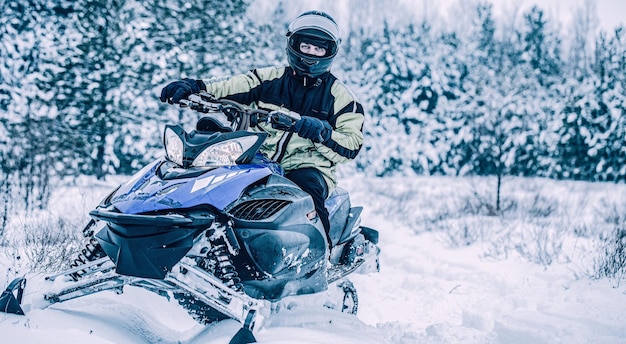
177,90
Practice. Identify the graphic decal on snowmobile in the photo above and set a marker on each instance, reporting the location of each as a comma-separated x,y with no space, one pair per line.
212,181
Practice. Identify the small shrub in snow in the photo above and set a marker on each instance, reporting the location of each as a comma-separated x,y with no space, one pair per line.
612,213
542,206
43,245
611,262
526,223
479,204
540,244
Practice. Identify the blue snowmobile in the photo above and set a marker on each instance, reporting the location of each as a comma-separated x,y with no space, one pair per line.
216,225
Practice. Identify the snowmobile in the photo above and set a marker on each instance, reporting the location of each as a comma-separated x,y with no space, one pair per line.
215,225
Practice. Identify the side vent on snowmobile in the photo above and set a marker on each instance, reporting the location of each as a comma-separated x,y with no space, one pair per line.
256,210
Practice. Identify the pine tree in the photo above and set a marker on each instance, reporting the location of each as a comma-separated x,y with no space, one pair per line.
399,79
98,86
124,53
584,25
200,39
541,46
28,121
590,124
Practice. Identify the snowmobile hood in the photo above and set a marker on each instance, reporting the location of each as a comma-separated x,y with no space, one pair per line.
146,192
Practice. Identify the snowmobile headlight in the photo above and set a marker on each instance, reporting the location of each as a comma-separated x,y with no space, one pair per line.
224,153
173,146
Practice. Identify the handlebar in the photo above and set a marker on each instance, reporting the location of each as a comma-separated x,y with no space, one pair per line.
240,115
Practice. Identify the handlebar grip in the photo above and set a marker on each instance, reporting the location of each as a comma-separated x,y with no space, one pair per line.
283,120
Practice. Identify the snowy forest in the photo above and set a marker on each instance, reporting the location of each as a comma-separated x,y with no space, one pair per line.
488,96
494,162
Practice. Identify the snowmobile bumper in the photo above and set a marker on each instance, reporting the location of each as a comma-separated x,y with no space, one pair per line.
148,246
11,298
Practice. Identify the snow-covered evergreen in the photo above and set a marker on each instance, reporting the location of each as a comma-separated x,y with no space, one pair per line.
473,97
476,92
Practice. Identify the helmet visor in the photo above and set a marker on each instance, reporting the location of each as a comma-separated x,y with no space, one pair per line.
297,40
326,28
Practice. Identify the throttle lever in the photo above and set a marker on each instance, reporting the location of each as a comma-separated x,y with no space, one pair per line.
183,103
206,96
195,104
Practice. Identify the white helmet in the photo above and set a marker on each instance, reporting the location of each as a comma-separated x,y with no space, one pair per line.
317,28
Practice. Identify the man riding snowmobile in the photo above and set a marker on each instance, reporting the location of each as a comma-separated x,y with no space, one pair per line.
234,217
329,131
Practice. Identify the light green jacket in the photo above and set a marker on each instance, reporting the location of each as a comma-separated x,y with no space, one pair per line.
325,98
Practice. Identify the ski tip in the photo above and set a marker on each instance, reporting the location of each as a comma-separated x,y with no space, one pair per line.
243,336
12,297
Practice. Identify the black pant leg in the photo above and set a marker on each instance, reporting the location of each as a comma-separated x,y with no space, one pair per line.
312,182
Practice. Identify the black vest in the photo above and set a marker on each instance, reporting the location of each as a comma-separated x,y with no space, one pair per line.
306,96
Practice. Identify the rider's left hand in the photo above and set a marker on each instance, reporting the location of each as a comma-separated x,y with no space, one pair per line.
313,129
181,89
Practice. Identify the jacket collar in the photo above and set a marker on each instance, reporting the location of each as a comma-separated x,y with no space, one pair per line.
307,81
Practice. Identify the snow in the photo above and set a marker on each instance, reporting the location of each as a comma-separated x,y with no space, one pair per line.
506,280
429,290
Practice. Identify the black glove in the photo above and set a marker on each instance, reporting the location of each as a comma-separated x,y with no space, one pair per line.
313,129
181,89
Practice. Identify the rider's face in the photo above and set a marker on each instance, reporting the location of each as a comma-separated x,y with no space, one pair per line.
311,49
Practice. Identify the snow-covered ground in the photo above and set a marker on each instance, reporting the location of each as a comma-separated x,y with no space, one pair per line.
430,289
